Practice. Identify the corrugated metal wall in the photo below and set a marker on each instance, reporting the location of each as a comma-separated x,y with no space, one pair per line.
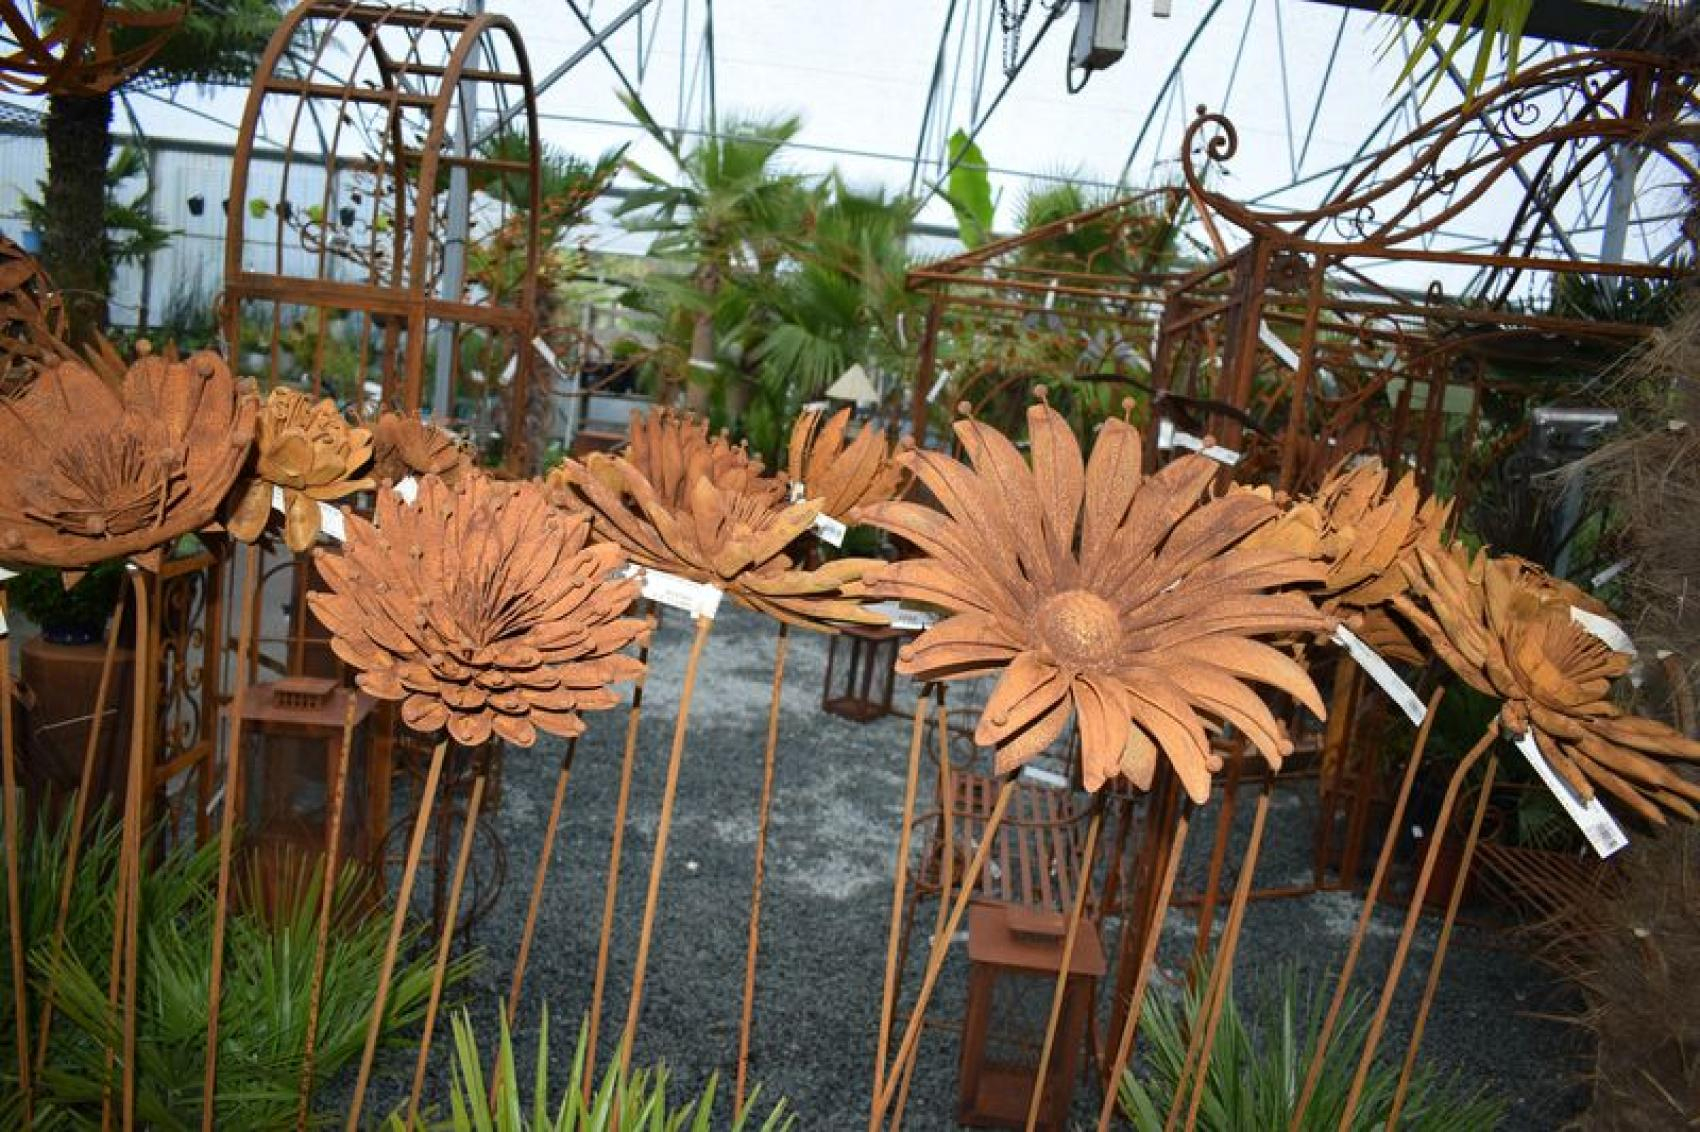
190,269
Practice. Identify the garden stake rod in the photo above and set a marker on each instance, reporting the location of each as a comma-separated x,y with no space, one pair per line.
1147,960
14,903
404,897
1379,1021
1314,1073
940,946
675,757
611,885
888,992
132,865
1440,946
544,856
1230,944
327,892
440,970
227,827
79,815
1060,991
764,812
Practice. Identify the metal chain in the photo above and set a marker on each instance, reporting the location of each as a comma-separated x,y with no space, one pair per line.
1010,20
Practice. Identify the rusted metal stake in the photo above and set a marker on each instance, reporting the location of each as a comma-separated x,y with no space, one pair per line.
764,812
544,856
445,941
79,816
1147,960
669,796
327,897
14,902
1060,993
227,829
131,863
611,885
1441,945
888,993
1314,1073
1230,944
415,848
936,956
1378,1023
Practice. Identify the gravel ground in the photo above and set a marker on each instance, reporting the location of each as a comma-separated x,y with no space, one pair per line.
836,815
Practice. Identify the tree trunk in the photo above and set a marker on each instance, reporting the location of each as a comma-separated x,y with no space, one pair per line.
73,242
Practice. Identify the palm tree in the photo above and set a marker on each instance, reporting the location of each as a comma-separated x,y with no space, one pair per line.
218,41
728,213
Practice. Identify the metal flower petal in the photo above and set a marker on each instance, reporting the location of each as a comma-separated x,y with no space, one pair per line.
308,451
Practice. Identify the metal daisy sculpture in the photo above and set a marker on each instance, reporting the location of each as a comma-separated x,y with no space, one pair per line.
485,611
695,507
404,445
842,475
1095,591
1510,633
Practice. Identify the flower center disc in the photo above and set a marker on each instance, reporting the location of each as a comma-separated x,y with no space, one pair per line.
1080,628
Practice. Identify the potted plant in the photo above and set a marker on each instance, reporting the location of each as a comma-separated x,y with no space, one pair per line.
60,676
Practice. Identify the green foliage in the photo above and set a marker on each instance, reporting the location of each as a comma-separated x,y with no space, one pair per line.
635,1102
217,42
1447,25
1258,1066
271,935
77,613
970,192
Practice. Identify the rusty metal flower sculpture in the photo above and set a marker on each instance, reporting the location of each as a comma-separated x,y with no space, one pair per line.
1509,636
310,453
1143,625
79,47
482,609
404,445
1362,529
699,507
89,472
843,477
32,319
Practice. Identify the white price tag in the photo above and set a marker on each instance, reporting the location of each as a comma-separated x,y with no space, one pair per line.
699,599
902,617
1168,436
939,383
1370,661
408,489
547,354
330,518
798,491
1605,629
830,530
1595,821
1044,777
816,406
5,576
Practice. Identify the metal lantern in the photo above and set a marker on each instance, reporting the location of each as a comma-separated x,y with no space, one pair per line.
1014,955
291,747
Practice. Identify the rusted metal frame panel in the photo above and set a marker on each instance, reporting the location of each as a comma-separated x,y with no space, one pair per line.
976,302
354,296
1239,354
1298,411
1058,289
332,92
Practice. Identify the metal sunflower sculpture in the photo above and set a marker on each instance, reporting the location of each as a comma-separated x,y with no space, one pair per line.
1508,635
713,518
90,472
1129,600
840,476
482,609
404,445
309,452
1362,528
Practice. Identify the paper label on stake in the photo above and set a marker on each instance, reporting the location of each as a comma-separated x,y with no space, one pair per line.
1605,629
408,489
1595,821
939,383
5,576
1608,573
798,491
1390,681
699,599
330,518
1168,436
902,617
1044,777
830,530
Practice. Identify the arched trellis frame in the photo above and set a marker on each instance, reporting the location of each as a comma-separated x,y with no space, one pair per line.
1267,315
369,133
